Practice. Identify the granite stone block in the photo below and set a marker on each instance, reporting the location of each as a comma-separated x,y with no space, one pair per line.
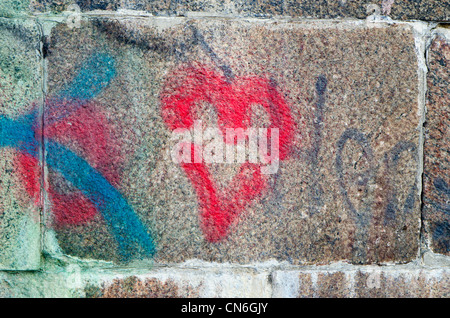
436,207
362,283
178,283
20,130
345,184
12,8
428,10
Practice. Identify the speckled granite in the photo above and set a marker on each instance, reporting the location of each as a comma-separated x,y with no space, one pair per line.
436,149
346,184
364,283
11,8
20,104
434,10
133,287
430,10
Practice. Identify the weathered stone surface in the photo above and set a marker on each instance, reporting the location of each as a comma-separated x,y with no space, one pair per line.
221,281
363,283
11,8
179,283
36,284
61,5
436,150
202,282
133,287
434,10
20,104
346,183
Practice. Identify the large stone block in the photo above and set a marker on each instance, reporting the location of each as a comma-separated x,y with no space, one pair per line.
12,8
430,10
434,10
39,284
178,283
20,130
436,150
362,283
342,96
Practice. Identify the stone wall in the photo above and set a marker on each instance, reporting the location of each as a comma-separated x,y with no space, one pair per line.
118,177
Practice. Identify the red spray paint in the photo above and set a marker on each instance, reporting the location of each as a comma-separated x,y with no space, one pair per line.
232,100
89,131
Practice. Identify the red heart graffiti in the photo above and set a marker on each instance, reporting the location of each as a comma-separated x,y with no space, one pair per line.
232,99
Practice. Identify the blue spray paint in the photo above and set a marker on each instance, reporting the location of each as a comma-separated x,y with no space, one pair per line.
362,178
128,230
94,75
19,133
391,162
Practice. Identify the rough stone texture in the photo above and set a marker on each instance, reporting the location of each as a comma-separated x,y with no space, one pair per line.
436,150
194,281
434,10
20,103
346,185
11,8
346,94
362,283
179,283
133,287
38,285
201,280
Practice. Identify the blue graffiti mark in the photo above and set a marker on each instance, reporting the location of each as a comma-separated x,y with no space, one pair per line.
315,191
441,228
199,38
442,187
441,234
391,162
95,74
128,230
362,178
444,190
19,133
